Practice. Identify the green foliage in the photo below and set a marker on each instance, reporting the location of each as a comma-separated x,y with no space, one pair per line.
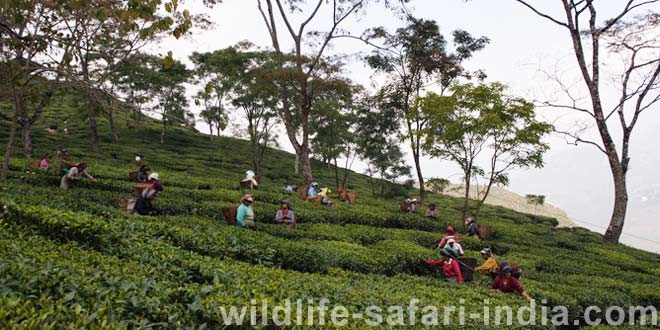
75,260
477,118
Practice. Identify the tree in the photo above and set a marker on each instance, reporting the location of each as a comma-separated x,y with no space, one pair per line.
243,75
257,96
213,113
437,185
480,119
455,131
334,126
413,58
27,33
536,200
635,39
515,138
169,89
376,146
219,72
133,79
306,65
101,34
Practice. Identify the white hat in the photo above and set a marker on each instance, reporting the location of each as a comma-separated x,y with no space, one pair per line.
485,251
451,240
314,184
154,176
138,158
414,200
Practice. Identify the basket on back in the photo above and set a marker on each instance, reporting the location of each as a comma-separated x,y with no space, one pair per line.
34,164
230,214
484,231
133,177
348,197
302,191
404,207
248,184
467,266
140,187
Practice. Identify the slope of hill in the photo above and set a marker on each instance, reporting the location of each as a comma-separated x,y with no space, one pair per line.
74,260
511,200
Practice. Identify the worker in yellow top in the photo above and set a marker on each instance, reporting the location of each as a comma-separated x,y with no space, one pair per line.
325,199
490,266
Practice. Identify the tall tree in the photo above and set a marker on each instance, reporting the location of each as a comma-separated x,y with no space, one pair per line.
633,38
219,72
377,145
29,58
257,96
309,49
334,125
103,33
536,200
132,81
242,74
413,58
170,91
482,120
456,131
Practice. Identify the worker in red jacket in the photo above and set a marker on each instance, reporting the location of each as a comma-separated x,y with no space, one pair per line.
506,283
451,233
450,267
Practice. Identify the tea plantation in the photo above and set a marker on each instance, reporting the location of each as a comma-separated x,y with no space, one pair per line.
75,260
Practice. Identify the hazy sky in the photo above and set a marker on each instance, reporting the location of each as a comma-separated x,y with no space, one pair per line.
522,46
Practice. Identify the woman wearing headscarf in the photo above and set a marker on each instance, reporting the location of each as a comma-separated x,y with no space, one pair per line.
450,267
454,246
285,216
432,212
143,173
245,212
451,233
490,265
509,284
143,204
74,174
44,163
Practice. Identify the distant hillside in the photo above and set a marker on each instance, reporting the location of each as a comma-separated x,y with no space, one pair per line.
509,199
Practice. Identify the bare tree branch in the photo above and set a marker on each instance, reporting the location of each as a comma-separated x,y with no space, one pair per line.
546,16
577,140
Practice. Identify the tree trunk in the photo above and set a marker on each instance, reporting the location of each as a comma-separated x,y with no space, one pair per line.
306,165
162,132
296,165
256,159
18,101
348,166
481,201
91,113
24,122
373,184
26,139
336,175
111,119
420,178
614,230
257,166
466,200
414,147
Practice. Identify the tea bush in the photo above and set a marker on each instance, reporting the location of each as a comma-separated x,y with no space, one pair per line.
74,260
